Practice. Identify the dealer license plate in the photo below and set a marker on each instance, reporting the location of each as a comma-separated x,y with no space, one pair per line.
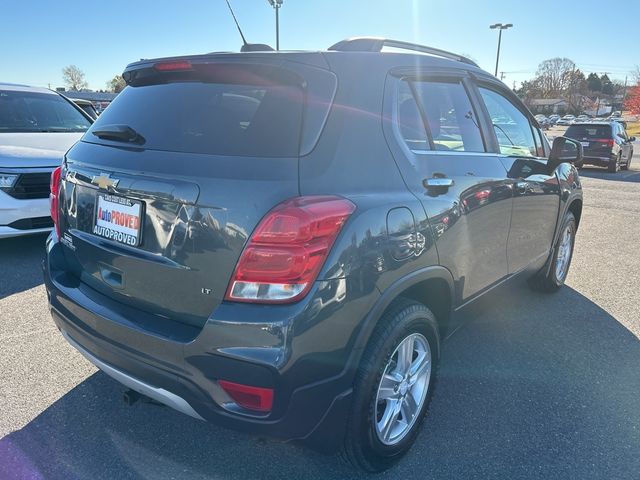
118,219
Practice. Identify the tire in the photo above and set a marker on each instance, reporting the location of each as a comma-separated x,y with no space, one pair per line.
614,166
367,444
628,164
551,277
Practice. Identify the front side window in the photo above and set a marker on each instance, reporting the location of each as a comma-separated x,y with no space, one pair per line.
434,115
512,127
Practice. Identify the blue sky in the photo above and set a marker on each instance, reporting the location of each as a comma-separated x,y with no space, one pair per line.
40,37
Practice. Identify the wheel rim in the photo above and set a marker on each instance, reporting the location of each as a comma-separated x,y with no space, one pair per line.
564,254
402,389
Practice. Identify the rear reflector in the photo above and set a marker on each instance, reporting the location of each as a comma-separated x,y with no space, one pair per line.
287,250
172,66
54,194
258,399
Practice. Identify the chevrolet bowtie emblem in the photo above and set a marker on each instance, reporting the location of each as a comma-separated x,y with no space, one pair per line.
104,182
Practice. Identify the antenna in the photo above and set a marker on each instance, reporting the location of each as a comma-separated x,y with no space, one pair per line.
244,40
248,47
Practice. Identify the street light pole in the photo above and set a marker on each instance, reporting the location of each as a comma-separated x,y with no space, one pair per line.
500,27
276,4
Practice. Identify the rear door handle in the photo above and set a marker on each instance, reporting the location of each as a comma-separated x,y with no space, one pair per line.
438,182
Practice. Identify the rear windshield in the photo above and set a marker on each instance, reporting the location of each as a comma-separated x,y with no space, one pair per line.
39,112
589,131
258,119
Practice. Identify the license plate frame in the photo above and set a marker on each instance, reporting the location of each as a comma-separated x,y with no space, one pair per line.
585,144
123,225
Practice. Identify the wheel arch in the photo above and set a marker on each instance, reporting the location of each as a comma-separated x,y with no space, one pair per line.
575,207
432,286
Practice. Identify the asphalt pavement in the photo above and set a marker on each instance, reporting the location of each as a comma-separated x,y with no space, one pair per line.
532,386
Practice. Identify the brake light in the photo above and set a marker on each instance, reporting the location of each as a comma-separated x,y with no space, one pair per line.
258,399
172,66
287,250
54,194
608,141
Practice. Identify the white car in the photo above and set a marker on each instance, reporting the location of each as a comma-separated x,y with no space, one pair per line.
37,127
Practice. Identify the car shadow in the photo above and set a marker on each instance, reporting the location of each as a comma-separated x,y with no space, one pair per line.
532,386
632,175
20,259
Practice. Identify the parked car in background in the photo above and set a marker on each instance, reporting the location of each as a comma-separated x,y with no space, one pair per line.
86,106
620,121
285,259
543,122
566,120
605,144
37,126
582,118
553,119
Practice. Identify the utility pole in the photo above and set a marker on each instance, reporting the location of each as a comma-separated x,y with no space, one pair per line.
502,76
276,4
500,27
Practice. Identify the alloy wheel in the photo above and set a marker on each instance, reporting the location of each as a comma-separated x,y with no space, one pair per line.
403,389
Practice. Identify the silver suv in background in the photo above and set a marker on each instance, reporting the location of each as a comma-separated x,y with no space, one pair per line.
37,127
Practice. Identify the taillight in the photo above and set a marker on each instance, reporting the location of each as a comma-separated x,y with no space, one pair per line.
54,193
287,249
173,66
258,399
607,141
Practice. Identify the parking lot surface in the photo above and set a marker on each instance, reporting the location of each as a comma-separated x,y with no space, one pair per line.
532,386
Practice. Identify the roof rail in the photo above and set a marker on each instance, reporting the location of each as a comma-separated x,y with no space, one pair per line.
375,44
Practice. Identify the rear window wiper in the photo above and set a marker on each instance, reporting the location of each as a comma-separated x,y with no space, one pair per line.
120,133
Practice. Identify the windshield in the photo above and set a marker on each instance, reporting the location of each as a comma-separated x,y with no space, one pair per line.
38,112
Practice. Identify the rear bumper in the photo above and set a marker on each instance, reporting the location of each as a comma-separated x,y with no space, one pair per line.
250,344
598,161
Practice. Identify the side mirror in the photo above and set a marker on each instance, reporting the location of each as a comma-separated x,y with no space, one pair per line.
565,150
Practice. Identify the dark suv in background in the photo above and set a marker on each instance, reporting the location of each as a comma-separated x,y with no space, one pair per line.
605,144
278,241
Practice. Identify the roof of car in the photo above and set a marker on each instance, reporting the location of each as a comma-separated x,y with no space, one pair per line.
590,123
402,53
15,87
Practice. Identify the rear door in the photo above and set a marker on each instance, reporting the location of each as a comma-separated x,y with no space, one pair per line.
536,200
627,149
439,133
158,221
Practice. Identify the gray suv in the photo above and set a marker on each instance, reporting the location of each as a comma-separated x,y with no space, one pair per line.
279,241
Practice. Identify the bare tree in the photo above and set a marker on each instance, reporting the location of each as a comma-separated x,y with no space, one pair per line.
555,76
74,78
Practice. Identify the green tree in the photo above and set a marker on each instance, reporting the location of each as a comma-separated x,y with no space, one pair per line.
73,78
594,83
607,84
116,84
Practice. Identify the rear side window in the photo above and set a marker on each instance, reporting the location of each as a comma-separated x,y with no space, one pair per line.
434,115
588,131
512,127
259,118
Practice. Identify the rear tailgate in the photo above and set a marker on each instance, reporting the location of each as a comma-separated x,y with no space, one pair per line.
160,224
595,139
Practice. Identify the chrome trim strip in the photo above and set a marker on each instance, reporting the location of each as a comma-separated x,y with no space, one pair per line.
159,394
